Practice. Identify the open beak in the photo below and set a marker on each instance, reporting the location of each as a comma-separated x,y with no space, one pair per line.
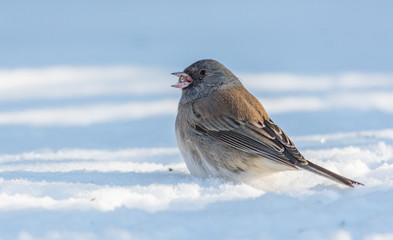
184,80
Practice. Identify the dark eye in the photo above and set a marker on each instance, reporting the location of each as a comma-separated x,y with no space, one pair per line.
202,73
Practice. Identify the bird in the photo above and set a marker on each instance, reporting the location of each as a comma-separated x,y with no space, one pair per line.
223,131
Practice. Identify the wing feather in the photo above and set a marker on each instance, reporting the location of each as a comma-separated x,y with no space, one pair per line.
245,138
236,118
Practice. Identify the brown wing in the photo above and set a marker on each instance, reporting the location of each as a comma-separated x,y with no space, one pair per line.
238,119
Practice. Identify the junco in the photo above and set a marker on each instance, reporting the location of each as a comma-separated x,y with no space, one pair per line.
223,131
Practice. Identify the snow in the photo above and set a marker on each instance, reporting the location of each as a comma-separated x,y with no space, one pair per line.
88,114
90,153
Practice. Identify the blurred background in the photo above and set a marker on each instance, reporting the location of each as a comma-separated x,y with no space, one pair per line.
95,74
275,36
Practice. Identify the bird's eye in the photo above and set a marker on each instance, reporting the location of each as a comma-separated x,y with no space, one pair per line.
202,73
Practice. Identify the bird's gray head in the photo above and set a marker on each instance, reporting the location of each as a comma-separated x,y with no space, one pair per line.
204,77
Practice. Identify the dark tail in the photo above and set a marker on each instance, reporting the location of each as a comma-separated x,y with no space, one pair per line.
329,174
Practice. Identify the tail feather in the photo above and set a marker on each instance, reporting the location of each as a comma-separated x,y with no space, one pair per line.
329,174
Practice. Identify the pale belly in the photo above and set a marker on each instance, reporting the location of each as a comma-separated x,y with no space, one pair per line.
206,157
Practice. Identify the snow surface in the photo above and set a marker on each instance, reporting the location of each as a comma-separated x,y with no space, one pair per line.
90,153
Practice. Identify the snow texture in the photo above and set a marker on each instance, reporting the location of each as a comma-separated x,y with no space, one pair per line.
90,153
